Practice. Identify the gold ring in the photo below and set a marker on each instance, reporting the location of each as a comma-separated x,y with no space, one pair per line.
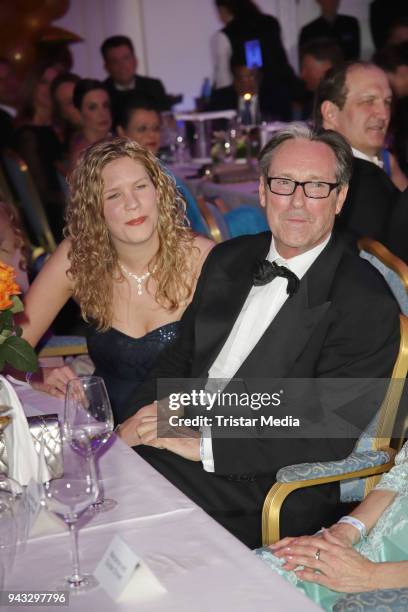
317,554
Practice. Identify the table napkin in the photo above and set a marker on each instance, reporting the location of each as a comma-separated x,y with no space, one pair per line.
24,463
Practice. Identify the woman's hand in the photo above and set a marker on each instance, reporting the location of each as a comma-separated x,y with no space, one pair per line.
53,380
328,562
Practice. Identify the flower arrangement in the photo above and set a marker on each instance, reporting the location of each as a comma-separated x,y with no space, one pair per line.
13,348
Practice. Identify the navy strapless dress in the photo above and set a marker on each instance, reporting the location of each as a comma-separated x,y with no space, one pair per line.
125,362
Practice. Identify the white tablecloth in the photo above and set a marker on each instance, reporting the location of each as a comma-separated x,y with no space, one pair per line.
200,565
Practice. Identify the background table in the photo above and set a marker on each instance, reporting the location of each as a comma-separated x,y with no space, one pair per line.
233,194
200,565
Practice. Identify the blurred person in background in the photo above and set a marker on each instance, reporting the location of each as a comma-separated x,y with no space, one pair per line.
245,23
67,118
38,144
394,61
316,57
140,120
120,63
343,29
14,247
91,99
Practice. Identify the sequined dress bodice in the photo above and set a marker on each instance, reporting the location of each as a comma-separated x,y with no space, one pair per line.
125,362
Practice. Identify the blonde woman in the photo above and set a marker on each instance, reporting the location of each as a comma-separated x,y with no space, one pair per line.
128,259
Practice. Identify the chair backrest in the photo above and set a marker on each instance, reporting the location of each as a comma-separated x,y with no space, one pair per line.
393,269
194,215
379,432
245,220
29,201
214,219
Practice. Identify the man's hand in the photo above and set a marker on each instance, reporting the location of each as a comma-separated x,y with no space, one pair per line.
141,428
128,430
182,441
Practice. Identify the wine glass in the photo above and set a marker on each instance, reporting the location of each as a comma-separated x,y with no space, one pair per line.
87,408
70,496
8,536
14,495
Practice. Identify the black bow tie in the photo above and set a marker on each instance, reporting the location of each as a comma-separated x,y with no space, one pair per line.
265,272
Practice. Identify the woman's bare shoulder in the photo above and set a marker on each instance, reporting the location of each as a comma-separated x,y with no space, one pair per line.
204,246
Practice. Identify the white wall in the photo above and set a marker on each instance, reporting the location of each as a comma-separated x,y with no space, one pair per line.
171,37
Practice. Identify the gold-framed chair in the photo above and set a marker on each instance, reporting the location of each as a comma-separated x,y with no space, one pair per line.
214,220
394,270
369,463
28,200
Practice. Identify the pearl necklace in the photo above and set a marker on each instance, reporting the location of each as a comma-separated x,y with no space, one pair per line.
139,279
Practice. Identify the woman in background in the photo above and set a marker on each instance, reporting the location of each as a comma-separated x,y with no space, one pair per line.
38,144
91,99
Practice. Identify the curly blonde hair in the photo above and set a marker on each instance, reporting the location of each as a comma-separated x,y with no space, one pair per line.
93,257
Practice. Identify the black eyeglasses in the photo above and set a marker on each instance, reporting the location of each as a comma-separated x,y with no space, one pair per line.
311,189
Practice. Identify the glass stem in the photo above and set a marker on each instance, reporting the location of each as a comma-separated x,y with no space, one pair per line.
76,577
100,499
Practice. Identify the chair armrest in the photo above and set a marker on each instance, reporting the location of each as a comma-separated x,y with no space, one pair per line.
392,600
353,463
280,490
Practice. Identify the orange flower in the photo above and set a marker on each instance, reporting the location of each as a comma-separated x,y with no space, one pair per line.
8,286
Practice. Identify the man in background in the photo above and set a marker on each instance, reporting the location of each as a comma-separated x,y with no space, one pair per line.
355,100
343,29
317,56
121,65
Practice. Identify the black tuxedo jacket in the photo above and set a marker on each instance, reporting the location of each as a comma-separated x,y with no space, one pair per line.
153,89
342,322
397,234
369,203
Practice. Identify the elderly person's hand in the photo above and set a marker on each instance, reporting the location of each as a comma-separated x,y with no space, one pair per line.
142,428
128,431
52,380
328,562
345,535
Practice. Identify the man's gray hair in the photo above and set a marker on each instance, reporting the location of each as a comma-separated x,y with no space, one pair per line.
300,131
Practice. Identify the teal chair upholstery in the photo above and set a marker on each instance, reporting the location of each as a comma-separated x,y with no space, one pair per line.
245,220
384,600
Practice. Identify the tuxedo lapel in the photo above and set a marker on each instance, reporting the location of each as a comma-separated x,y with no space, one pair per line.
289,332
225,296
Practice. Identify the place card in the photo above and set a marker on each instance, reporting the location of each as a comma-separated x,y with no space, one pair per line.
123,575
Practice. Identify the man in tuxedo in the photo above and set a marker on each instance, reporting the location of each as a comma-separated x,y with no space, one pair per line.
354,99
245,96
121,64
308,311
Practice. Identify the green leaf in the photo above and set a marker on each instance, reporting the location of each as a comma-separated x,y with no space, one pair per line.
18,305
18,353
18,331
6,319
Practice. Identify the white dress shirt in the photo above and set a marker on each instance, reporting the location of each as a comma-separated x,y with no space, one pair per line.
374,159
221,52
259,310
